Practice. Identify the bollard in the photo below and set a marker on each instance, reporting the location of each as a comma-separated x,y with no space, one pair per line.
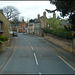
73,42
73,45
0,49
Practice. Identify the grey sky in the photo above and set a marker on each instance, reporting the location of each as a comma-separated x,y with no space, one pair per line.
30,9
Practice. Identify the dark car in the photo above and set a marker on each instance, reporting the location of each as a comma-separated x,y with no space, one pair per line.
15,34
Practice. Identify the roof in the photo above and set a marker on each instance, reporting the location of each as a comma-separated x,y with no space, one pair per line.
65,22
30,24
37,20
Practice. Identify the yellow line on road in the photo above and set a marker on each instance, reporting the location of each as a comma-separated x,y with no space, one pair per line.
67,63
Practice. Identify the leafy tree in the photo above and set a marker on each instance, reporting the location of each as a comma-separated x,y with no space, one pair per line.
31,20
67,8
53,22
10,12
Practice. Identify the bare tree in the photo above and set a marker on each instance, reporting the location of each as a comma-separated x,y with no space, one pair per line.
10,12
21,18
15,21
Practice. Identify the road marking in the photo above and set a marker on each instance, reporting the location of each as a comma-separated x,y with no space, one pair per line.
67,63
25,39
32,47
35,58
29,43
39,73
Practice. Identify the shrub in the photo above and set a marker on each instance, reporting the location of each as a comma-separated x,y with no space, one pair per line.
3,38
1,42
59,32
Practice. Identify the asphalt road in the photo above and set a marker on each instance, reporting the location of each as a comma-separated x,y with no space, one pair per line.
32,56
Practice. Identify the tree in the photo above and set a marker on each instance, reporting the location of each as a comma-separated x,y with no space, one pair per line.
31,20
54,23
15,21
10,12
67,8
21,18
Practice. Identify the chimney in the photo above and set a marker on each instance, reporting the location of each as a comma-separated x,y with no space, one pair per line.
22,20
44,14
38,16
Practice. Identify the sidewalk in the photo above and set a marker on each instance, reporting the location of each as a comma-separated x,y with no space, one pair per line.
67,56
6,52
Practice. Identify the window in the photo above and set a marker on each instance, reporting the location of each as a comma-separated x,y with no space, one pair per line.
1,24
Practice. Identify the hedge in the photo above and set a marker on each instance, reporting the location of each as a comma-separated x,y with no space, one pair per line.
3,38
59,32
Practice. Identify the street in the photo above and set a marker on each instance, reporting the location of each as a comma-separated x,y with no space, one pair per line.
33,56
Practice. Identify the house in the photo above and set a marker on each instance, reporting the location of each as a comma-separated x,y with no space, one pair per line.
1,32
30,28
65,23
4,25
37,26
23,27
40,23
15,27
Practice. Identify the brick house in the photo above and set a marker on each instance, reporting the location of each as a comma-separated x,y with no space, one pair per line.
4,25
23,27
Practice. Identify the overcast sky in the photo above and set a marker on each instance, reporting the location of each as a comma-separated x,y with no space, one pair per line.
30,9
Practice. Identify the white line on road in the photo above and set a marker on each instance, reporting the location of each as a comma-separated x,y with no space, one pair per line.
32,47
39,73
35,58
25,39
67,63
29,43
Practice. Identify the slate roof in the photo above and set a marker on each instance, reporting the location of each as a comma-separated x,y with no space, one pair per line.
30,24
65,22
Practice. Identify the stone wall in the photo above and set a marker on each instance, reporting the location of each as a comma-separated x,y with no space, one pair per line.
63,43
5,26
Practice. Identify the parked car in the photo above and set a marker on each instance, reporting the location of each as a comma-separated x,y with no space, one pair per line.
11,32
15,34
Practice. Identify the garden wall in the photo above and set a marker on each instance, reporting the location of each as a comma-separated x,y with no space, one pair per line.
63,43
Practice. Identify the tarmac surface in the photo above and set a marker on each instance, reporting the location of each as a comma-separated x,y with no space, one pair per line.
8,51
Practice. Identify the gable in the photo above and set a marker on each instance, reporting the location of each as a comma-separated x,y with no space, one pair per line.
23,23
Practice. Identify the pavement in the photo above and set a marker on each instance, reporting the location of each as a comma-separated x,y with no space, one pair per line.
7,52
67,56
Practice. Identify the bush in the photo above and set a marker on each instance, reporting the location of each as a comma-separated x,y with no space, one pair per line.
3,38
59,32
1,42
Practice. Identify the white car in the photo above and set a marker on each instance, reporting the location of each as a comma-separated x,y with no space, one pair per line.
11,32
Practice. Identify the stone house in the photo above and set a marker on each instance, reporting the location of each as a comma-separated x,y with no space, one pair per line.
23,27
37,26
65,23
30,28
4,25
40,23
